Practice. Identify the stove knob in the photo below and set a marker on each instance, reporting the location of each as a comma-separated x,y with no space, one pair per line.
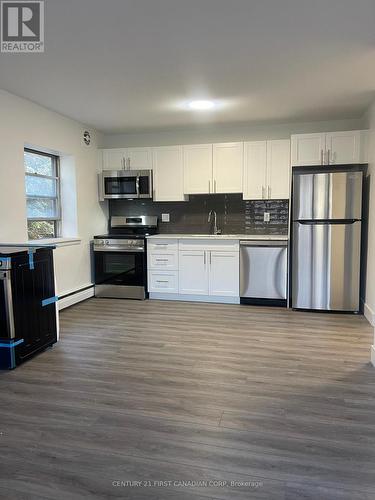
99,242
107,242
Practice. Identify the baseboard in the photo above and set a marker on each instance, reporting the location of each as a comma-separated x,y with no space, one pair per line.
373,355
75,297
194,298
369,314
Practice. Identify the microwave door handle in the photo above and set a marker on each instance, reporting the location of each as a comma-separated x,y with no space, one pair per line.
137,186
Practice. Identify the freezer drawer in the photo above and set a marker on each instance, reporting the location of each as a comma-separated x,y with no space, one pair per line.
333,195
326,266
263,270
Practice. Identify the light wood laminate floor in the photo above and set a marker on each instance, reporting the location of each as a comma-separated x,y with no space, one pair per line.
273,403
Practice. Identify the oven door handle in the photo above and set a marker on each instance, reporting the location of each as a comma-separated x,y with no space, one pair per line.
120,250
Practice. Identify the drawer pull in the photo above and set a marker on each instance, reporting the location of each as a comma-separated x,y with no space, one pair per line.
161,260
162,281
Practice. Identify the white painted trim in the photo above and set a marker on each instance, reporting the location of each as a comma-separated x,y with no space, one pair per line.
369,314
373,355
75,298
194,298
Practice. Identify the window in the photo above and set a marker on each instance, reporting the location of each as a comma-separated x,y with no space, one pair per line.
42,194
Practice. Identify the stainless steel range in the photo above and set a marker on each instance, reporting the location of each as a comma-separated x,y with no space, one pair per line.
120,257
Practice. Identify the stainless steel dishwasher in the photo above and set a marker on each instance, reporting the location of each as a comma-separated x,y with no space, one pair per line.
263,272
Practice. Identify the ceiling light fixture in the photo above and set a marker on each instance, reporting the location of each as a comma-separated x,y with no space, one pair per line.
201,105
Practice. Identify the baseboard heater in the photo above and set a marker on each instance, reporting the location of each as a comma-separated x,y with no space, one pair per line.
71,298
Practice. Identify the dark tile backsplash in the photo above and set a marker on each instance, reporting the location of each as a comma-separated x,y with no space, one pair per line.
234,215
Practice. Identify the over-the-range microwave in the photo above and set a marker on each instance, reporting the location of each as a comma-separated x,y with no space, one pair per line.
125,184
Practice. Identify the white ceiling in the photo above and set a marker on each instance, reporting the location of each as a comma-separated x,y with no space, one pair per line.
129,65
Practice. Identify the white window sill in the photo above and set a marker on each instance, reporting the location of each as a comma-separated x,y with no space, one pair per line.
57,242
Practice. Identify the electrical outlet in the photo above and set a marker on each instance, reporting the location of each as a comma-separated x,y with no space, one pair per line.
267,216
165,218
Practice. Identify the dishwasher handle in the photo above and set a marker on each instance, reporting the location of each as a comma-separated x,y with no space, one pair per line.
264,243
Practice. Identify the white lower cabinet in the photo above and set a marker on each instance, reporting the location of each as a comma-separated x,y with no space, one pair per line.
162,265
200,269
193,277
163,281
163,260
209,272
223,274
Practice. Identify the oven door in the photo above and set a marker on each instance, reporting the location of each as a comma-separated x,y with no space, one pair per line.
120,274
115,184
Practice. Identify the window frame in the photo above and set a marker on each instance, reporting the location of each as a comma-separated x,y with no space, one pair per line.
57,221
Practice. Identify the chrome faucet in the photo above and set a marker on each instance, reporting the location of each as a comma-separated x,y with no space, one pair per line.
213,213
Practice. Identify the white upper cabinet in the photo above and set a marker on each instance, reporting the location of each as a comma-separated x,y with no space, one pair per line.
127,159
267,170
227,167
278,169
331,148
343,147
198,169
168,175
114,159
139,158
308,149
255,170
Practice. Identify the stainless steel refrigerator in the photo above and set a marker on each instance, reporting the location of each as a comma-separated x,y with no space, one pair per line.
326,239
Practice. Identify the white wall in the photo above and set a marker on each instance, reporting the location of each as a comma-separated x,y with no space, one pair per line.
23,122
370,279
225,133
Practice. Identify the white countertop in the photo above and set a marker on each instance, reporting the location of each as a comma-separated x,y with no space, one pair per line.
259,237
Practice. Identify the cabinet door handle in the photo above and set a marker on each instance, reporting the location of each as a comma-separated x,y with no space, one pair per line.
209,187
328,153
210,257
321,157
204,257
263,192
123,163
215,186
